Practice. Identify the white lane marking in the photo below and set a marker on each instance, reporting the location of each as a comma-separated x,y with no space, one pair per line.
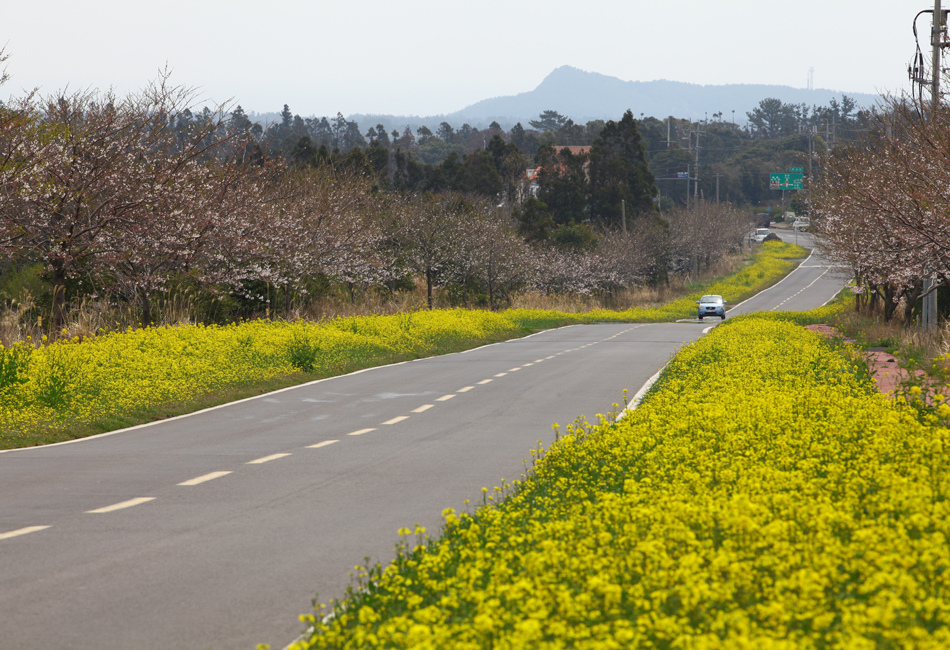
802,289
120,506
635,402
308,384
550,357
540,360
445,398
529,364
486,381
514,369
791,273
22,531
361,432
322,444
465,390
266,459
501,374
424,407
202,479
396,420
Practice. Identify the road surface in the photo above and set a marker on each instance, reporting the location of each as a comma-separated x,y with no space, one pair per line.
215,530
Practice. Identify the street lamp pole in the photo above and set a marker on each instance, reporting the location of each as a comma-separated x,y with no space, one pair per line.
928,312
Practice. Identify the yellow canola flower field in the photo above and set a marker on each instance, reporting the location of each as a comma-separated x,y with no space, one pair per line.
763,495
75,382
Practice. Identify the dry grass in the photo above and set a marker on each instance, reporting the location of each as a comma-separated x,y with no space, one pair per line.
917,347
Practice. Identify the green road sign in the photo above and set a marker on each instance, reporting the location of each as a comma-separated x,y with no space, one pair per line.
797,170
785,181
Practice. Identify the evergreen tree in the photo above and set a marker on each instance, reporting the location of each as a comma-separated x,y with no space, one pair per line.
619,173
562,184
534,221
479,175
549,121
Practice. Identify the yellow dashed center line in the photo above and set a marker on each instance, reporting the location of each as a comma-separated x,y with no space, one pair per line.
360,432
322,444
120,506
397,419
205,478
514,369
424,407
501,374
22,531
486,381
445,398
266,459
465,390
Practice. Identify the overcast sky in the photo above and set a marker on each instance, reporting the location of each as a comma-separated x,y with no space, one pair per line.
428,57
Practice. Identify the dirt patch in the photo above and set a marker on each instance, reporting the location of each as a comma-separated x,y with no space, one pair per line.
885,368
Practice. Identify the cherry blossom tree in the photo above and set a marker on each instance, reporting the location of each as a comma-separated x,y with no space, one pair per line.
101,169
321,225
428,229
882,205
705,233
490,253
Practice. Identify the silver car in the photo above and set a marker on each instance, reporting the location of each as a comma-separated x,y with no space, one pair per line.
711,305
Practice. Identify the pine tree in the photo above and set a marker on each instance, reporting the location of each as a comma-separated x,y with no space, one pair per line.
619,173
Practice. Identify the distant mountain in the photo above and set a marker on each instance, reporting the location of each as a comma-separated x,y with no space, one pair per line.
585,96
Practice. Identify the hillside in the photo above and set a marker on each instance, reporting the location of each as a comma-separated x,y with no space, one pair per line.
585,96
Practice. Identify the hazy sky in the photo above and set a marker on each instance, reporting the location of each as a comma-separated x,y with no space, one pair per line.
427,57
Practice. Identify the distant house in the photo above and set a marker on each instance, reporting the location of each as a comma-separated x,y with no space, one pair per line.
575,151
529,182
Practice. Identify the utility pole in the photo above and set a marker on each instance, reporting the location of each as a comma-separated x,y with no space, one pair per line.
623,214
687,187
928,312
697,129
698,132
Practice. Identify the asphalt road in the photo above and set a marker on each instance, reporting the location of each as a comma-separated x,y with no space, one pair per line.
215,530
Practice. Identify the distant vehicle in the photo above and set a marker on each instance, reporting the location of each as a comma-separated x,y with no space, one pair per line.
711,305
801,223
761,234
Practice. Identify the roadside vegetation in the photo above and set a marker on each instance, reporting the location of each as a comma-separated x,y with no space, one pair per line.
146,209
763,495
57,390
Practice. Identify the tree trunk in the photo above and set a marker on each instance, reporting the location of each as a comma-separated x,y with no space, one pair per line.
429,287
890,305
491,284
146,304
912,297
59,300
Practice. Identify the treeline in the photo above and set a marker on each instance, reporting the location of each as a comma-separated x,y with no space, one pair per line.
715,158
133,200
